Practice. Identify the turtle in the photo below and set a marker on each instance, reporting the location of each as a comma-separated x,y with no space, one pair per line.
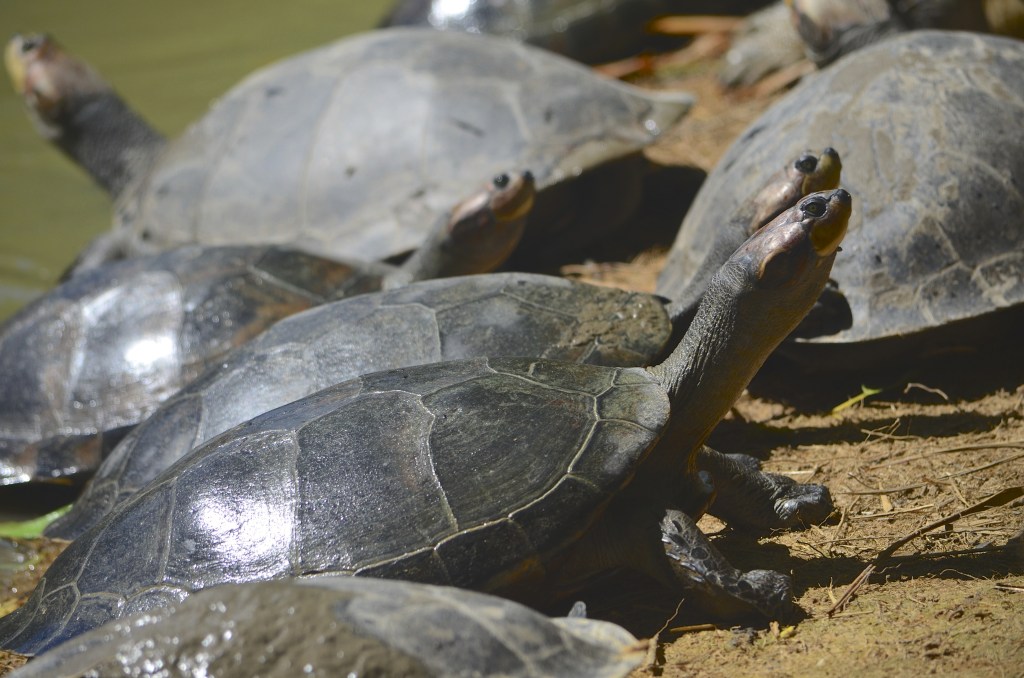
824,30
520,476
353,149
928,123
831,28
337,626
765,42
89,360
486,315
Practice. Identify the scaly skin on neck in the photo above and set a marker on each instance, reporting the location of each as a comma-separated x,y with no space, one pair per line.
738,324
109,140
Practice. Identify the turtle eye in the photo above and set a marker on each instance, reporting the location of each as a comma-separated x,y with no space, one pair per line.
815,207
807,164
30,43
501,181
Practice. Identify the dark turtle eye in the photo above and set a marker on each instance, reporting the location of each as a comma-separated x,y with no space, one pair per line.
807,164
815,207
501,181
30,43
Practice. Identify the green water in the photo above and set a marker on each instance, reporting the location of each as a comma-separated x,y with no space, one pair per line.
170,59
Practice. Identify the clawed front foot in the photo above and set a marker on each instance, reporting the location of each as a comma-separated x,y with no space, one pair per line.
706,576
747,497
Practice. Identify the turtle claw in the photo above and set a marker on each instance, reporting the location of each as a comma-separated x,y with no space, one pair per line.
746,497
704,575
801,505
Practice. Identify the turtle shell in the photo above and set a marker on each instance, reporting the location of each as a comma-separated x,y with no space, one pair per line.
929,128
337,626
494,315
471,473
357,147
98,353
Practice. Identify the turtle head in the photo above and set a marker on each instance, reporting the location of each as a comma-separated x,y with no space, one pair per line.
483,230
806,174
751,304
51,82
789,260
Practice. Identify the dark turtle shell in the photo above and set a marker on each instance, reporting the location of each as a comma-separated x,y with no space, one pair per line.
929,127
338,626
494,315
97,355
480,473
417,454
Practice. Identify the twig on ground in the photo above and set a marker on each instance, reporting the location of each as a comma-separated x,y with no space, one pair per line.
1011,444
929,389
998,499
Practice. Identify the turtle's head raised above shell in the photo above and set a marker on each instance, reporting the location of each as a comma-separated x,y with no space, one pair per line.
48,78
806,174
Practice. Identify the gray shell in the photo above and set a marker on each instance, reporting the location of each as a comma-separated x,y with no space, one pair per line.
357,147
452,473
493,315
338,626
929,129
101,351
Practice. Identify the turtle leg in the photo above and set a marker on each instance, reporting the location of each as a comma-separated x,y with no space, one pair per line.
109,246
706,577
746,496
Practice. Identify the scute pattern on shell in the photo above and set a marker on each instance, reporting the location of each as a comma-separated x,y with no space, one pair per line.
928,126
367,140
415,454
431,321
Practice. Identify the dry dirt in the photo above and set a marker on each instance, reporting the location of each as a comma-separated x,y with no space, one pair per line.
930,445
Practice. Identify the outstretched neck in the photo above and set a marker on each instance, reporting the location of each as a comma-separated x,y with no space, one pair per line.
707,371
107,138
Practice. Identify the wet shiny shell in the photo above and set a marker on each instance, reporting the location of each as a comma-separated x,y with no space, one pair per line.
355,148
102,350
493,315
470,473
337,626
929,129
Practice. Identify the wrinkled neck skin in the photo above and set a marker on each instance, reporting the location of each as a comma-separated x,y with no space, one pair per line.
107,138
729,339
430,260
442,257
684,303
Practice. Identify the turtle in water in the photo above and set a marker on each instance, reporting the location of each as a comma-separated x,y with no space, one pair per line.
337,626
354,148
89,360
517,475
929,126
492,315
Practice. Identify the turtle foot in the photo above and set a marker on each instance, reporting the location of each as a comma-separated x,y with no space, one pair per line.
747,497
707,578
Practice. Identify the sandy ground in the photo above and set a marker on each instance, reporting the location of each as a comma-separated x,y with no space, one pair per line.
930,445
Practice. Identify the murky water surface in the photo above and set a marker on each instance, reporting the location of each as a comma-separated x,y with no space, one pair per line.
169,59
